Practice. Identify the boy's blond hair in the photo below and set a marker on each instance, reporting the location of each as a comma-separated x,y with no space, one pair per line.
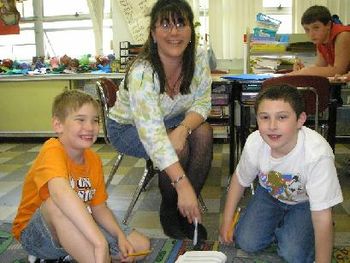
69,101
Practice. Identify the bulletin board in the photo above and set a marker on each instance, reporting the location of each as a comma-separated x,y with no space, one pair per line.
136,16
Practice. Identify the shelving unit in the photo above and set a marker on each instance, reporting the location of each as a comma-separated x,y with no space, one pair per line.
221,115
270,52
127,52
343,114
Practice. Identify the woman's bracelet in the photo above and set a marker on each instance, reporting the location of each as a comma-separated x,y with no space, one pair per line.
189,131
174,183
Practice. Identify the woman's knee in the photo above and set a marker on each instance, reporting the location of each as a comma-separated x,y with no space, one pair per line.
204,130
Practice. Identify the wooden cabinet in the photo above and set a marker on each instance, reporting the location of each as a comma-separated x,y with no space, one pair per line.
25,107
26,101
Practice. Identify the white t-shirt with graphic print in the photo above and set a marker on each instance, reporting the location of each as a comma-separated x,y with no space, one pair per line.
306,173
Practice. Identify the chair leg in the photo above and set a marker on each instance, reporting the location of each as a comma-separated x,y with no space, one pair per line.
147,175
151,173
202,204
114,169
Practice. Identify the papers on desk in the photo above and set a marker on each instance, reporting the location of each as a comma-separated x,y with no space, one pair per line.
340,79
250,76
202,256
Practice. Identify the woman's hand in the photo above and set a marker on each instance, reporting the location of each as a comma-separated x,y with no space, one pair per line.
187,201
178,138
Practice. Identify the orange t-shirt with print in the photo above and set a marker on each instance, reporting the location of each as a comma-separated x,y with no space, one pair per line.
52,161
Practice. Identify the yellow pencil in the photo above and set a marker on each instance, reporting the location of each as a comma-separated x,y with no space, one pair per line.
140,253
234,222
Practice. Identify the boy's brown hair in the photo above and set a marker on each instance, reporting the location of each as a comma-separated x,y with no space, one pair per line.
316,13
283,92
69,101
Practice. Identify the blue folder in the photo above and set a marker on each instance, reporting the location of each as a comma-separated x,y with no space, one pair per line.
248,77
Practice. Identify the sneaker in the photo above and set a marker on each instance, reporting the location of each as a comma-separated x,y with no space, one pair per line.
169,219
67,258
189,229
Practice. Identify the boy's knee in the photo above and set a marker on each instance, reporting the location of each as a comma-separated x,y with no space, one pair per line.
248,244
292,252
50,209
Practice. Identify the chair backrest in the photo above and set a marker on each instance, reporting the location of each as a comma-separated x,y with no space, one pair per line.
320,85
106,91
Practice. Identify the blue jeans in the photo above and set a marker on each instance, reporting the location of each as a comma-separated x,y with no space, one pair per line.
268,220
125,137
38,241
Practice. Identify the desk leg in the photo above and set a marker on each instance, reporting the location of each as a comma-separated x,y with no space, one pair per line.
332,123
336,93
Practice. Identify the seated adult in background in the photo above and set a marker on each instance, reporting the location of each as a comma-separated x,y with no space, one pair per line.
160,114
332,42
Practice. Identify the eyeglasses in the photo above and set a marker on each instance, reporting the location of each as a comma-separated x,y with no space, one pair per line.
167,27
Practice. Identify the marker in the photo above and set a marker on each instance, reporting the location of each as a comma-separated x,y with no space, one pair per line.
140,253
195,234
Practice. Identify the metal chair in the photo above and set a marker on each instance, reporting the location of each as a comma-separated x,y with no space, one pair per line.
318,102
106,91
107,94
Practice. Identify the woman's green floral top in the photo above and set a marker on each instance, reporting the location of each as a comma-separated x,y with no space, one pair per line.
142,105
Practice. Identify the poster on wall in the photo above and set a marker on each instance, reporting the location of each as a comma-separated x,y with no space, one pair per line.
136,16
9,17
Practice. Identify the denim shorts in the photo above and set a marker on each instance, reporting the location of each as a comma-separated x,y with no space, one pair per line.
38,241
125,137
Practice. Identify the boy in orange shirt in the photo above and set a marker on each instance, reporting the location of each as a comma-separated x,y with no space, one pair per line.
63,209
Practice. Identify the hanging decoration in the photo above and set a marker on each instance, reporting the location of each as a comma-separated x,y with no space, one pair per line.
135,13
9,17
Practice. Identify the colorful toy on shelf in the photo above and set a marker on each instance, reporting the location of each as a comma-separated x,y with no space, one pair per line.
7,63
54,62
102,60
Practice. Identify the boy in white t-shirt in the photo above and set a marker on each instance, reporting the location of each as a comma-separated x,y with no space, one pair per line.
297,187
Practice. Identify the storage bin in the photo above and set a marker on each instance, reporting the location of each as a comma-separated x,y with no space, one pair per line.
264,32
343,121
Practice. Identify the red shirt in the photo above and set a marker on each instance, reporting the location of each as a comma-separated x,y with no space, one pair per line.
327,50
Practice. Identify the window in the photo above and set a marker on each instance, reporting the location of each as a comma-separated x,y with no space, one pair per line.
203,29
282,11
67,29
65,7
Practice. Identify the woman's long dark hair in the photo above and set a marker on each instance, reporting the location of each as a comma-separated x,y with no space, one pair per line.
172,10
